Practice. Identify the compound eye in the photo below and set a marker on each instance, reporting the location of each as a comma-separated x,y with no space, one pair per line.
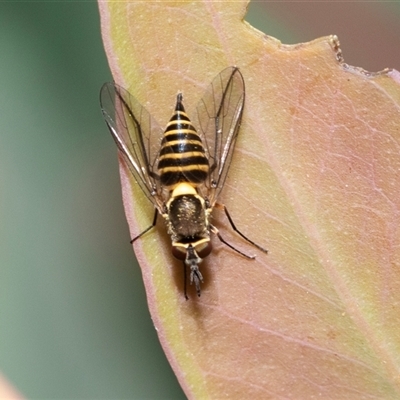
204,249
179,252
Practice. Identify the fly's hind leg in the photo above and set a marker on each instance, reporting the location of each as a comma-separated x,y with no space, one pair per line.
147,229
222,207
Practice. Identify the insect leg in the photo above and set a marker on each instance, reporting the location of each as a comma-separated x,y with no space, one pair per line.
222,207
184,281
216,232
147,229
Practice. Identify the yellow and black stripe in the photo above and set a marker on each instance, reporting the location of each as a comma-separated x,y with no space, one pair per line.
182,156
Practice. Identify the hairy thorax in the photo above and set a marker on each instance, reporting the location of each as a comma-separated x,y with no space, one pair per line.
187,217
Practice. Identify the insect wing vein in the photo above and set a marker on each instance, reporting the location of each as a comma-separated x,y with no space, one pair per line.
136,134
218,118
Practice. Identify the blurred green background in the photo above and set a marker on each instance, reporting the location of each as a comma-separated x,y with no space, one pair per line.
73,317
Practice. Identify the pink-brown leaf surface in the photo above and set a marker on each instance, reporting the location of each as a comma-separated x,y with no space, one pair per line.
315,178
7,391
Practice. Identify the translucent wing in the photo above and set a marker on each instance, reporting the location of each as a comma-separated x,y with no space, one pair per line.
219,114
137,136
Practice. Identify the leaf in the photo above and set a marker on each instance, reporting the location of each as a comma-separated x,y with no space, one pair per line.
315,179
7,391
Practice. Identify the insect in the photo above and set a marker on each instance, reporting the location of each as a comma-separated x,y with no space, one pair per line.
180,169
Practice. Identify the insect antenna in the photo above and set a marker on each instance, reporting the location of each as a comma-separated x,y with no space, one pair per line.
192,261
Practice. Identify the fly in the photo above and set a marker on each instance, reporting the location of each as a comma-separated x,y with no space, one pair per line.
181,169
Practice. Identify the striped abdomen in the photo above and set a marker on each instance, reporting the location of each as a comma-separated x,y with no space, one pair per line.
182,157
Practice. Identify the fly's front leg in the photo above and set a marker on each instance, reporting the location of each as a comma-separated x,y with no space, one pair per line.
215,231
222,207
184,281
147,229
